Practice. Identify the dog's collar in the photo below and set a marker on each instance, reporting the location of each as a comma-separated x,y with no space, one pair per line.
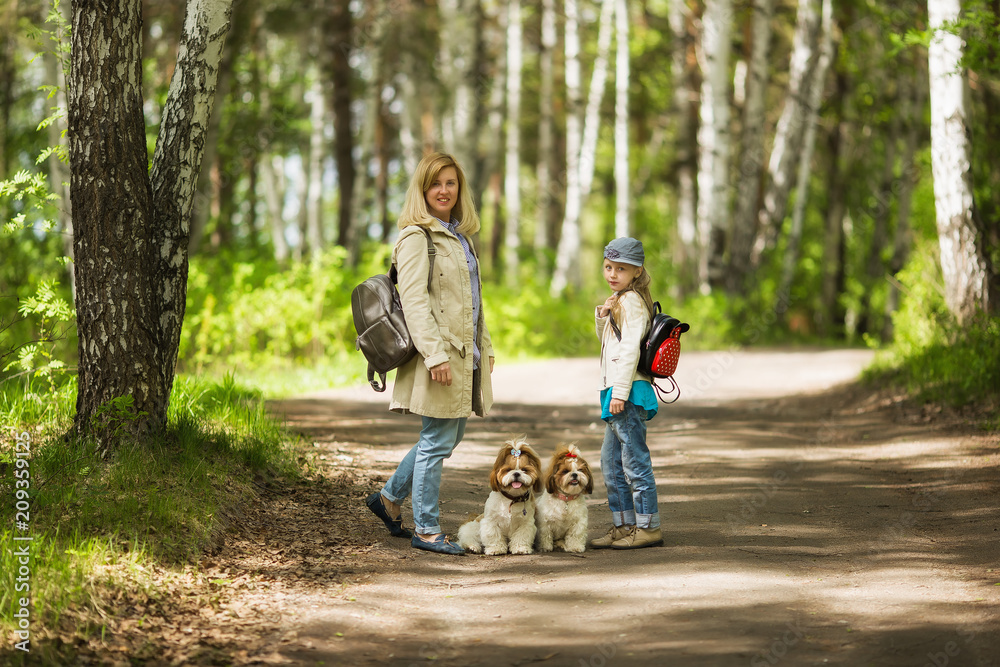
563,496
512,499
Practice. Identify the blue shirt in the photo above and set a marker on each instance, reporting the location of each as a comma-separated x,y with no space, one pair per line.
642,395
470,259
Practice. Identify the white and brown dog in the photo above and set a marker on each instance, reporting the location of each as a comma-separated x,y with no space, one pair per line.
507,524
561,512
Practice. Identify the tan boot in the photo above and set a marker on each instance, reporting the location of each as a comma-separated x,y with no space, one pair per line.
639,538
616,533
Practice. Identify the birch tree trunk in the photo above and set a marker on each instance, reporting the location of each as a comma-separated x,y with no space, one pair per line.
685,94
962,262
314,169
744,227
512,161
790,129
622,195
816,87
714,141
592,115
568,254
339,48
132,226
545,130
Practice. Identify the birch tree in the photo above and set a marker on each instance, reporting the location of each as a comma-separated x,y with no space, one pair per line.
962,262
685,93
595,94
512,161
752,157
132,225
790,128
714,141
808,145
546,123
568,254
622,198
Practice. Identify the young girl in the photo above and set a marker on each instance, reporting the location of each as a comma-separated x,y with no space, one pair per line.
627,401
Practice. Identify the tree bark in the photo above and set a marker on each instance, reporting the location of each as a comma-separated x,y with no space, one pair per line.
789,131
512,160
339,34
568,254
684,74
791,258
132,226
546,140
744,227
962,262
592,115
117,302
714,142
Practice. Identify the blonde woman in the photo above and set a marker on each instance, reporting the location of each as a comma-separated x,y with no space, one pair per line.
449,378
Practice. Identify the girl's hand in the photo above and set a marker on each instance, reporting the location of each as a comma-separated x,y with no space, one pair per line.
617,405
442,374
492,360
604,309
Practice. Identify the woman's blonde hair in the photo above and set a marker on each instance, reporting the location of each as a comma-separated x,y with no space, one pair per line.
639,285
415,207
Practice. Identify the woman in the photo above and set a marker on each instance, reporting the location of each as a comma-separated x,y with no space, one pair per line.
444,383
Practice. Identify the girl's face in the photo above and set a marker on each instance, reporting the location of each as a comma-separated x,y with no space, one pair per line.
442,196
620,276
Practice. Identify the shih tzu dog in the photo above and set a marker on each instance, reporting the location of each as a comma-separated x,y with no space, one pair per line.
561,512
507,524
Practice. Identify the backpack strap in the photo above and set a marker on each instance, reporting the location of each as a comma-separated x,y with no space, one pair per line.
380,384
431,254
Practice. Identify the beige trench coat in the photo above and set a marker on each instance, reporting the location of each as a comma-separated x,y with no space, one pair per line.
440,322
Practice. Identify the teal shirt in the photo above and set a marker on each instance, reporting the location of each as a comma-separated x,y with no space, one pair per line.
642,394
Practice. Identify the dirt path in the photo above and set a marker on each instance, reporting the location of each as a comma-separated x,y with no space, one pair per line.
804,526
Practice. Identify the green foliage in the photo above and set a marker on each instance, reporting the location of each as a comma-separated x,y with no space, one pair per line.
253,315
932,357
100,523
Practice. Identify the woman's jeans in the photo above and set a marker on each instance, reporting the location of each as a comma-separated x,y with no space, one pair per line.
420,471
628,470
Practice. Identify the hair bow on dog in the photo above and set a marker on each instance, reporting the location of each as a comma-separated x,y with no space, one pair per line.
570,455
515,452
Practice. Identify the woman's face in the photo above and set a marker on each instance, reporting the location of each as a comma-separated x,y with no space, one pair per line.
443,194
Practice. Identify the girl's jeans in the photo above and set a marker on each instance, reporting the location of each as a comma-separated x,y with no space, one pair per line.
420,471
628,470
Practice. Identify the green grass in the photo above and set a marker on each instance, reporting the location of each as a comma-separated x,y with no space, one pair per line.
101,525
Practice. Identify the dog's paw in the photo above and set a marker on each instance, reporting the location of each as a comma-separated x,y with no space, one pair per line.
495,551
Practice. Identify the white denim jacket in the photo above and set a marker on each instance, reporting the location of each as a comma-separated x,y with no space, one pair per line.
620,358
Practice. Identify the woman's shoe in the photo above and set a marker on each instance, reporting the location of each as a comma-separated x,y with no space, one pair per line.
438,544
395,526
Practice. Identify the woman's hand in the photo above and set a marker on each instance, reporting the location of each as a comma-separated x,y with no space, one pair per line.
442,374
604,309
492,359
617,405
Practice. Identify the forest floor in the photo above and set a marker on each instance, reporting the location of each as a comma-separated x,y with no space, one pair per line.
807,521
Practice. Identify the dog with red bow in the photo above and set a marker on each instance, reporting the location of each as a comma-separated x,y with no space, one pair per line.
507,524
561,511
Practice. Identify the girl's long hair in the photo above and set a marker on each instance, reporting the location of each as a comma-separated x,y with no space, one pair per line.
639,285
415,207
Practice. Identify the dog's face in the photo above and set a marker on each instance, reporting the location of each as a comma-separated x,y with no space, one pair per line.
569,473
517,470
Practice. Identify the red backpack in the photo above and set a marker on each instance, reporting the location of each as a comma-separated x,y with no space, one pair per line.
660,350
